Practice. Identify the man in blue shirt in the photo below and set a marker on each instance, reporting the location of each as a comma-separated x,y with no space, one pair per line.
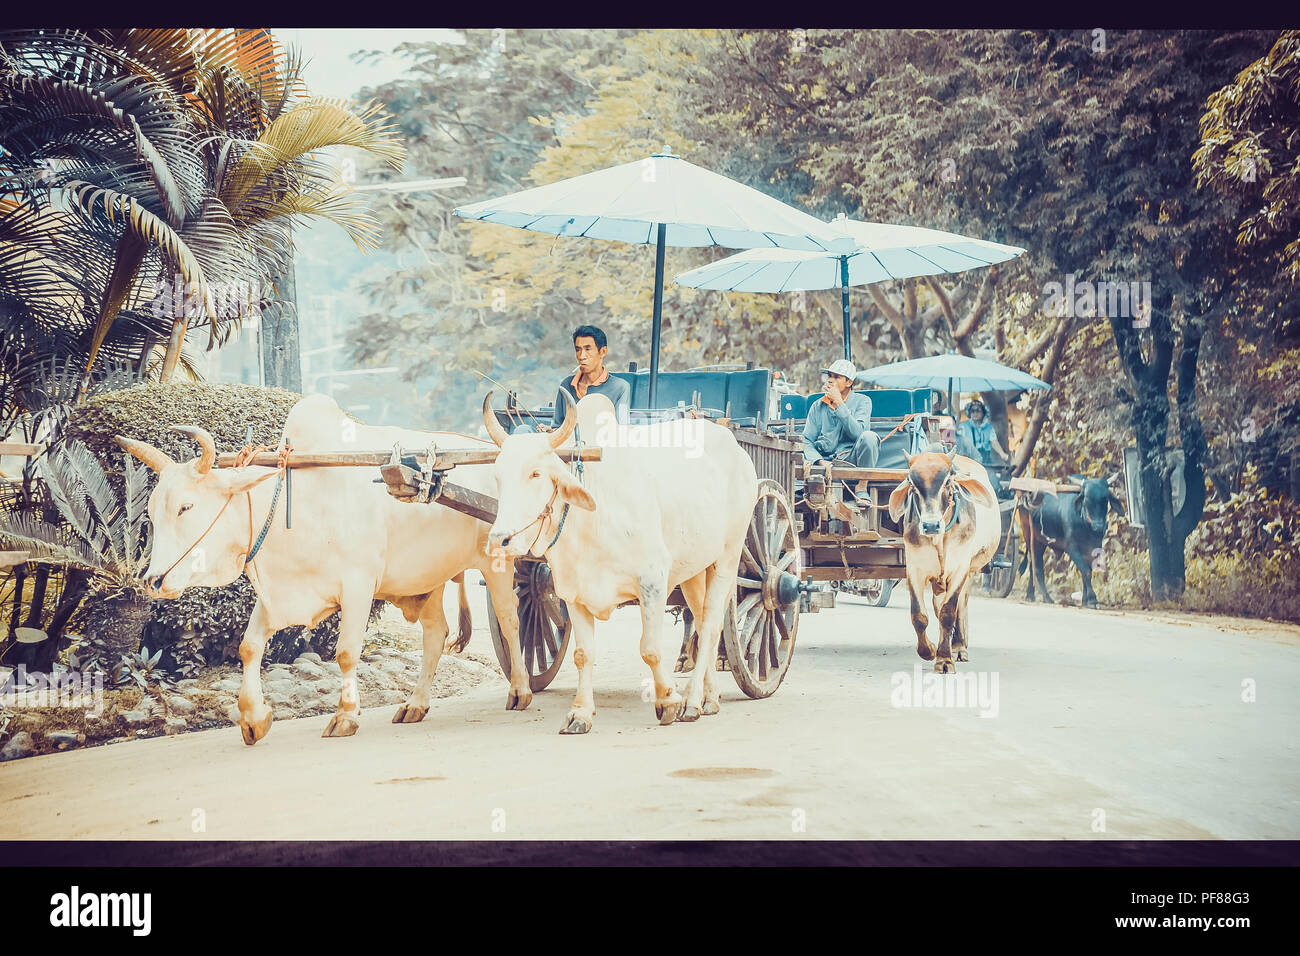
839,424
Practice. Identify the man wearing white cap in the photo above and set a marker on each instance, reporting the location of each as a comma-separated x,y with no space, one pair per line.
839,425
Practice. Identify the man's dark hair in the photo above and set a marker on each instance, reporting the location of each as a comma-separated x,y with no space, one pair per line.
590,331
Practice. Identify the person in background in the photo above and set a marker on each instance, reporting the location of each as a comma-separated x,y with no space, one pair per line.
839,423
947,426
976,437
589,348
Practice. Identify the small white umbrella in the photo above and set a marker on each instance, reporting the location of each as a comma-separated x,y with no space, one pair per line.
879,251
664,200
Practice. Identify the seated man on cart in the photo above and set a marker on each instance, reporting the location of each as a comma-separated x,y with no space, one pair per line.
839,424
589,348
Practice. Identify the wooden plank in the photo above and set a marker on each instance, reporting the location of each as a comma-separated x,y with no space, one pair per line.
445,458
468,501
847,473
21,449
10,558
403,484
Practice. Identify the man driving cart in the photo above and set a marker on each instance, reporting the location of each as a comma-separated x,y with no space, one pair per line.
839,424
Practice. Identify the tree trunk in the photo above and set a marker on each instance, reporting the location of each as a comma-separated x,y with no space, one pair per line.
1038,417
1167,531
75,587
280,348
36,606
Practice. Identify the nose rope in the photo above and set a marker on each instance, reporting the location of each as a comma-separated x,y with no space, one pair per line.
545,513
549,509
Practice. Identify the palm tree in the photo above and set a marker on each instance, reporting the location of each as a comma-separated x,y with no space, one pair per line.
137,160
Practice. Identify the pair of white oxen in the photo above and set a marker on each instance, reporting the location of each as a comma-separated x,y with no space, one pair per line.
653,514
656,512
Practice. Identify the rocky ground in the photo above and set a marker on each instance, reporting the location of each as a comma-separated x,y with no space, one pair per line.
387,672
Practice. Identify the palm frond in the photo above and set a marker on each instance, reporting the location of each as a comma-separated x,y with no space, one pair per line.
108,508
316,124
45,542
61,98
136,491
336,203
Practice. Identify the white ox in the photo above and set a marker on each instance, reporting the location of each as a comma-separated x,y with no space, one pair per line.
951,526
654,513
350,543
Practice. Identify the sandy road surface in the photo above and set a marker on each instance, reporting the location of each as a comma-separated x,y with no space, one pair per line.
1132,721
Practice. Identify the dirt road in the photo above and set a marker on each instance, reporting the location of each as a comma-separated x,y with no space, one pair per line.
1101,725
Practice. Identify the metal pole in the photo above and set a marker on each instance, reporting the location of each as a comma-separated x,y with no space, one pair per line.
658,315
844,302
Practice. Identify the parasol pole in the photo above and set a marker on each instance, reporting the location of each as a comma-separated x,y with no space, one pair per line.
844,303
658,315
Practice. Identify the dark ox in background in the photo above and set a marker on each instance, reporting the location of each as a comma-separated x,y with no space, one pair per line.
1072,522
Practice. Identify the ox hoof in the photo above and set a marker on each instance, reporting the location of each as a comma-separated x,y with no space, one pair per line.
690,714
410,714
669,712
711,707
519,699
945,666
576,723
925,652
256,729
341,725
959,654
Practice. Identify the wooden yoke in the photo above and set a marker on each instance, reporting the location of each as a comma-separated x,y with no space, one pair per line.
444,459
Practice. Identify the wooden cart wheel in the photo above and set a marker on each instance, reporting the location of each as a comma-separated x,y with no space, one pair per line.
878,590
759,627
1002,580
544,626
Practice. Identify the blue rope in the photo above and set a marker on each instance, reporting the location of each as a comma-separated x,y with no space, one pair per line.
269,517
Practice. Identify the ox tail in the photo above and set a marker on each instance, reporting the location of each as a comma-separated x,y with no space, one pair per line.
465,623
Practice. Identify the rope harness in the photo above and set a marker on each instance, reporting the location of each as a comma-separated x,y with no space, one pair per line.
242,457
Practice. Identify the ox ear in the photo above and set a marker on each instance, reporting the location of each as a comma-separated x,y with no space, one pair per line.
1117,504
573,493
898,498
976,489
237,482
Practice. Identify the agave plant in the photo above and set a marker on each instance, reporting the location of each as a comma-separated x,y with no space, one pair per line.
129,158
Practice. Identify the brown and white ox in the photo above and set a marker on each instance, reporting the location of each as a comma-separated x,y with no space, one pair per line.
668,504
951,528
350,544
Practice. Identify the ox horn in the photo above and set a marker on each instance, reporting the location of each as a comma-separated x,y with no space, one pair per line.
207,447
155,458
1113,478
558,438
494,429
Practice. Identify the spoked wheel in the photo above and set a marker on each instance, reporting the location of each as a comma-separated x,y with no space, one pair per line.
759,627
544,626
878,590
1002,580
